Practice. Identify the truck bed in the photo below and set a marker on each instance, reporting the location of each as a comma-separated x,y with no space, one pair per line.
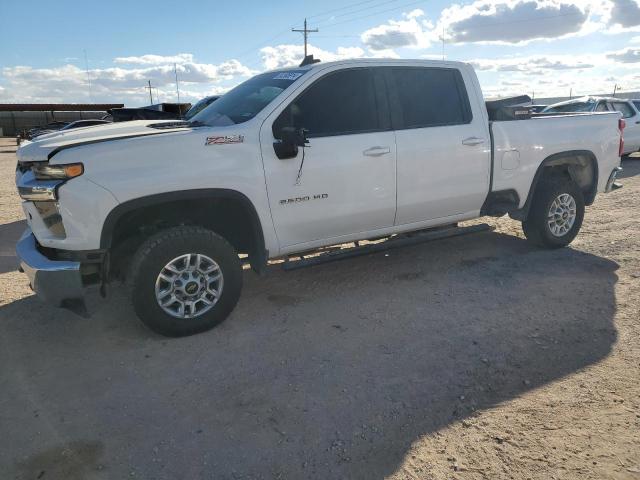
519,147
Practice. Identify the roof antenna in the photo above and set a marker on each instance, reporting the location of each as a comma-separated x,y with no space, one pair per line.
309,60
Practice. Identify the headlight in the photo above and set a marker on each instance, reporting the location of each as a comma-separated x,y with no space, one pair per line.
57,172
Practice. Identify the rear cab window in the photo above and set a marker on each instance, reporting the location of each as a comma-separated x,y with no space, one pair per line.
427,97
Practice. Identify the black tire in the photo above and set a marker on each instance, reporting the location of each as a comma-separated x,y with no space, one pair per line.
536,226
158,251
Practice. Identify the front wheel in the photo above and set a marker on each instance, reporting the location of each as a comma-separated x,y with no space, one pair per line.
185,280
556,213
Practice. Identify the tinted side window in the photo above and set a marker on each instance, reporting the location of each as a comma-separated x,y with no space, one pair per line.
339,103
623,108
430,96
602,107
637,104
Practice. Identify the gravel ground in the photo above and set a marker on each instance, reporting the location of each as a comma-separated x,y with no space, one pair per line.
478,357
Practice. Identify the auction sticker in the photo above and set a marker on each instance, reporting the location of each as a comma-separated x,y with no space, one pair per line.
288,76
224,140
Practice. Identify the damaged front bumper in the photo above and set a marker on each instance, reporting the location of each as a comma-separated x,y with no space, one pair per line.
54,281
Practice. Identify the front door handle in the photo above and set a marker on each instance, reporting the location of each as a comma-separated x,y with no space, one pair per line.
472,141
376,151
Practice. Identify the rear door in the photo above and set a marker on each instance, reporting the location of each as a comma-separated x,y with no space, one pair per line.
343,182
443,143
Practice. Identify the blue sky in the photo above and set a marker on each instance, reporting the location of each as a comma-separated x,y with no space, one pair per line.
518,46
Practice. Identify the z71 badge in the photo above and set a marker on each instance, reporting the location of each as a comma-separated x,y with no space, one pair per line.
224,140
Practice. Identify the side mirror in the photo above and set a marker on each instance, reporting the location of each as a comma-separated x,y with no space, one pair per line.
290,139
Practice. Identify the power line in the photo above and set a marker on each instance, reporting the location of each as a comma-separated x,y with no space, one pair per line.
369,7
345,7
331,25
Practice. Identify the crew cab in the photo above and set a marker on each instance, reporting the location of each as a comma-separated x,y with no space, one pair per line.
290,161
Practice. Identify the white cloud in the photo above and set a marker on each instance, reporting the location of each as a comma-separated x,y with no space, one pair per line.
155,59
412,32
68,83
535,64
288,55
513,21
627,55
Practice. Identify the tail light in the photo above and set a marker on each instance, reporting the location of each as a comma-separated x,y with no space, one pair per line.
621,125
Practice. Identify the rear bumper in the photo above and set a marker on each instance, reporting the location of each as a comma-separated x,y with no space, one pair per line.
611,183
53,281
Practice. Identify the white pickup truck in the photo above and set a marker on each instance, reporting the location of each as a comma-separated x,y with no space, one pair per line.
290,161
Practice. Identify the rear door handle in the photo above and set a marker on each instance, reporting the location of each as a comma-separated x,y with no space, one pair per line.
472,141
376,151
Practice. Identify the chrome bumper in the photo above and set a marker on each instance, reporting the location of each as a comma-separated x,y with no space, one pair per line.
52,280
611,183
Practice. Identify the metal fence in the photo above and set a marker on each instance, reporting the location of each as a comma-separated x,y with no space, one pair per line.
12,123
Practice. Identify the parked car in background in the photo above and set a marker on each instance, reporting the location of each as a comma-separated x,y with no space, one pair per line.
200,105
84,123
63,126
628,108
48,128
290,161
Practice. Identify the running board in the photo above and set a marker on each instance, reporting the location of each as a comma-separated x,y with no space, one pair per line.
396,241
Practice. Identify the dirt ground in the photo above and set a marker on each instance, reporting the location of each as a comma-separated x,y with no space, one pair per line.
478,357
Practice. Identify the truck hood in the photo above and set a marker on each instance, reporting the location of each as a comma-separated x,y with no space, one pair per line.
41,147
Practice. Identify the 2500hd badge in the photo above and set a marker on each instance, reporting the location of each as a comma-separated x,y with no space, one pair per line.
306,198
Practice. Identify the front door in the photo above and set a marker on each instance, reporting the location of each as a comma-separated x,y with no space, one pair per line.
343,182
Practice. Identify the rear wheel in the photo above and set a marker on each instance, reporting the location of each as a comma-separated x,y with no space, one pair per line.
185,280
556,213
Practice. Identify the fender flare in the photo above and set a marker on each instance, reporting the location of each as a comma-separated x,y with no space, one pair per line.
259,257
522,213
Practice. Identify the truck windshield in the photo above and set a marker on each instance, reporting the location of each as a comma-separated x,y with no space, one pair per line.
247,99
572,107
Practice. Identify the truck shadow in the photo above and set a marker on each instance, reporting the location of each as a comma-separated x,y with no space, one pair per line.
328,372
9,235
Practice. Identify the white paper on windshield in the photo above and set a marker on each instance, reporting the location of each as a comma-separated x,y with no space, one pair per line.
287,76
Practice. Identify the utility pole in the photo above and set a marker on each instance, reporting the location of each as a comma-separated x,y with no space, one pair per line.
150,94
175,69
615,89
443,42
305,31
